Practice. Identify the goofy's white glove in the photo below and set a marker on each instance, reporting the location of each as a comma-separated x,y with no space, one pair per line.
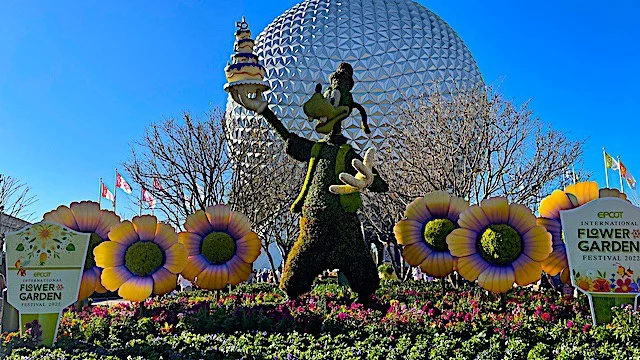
363,178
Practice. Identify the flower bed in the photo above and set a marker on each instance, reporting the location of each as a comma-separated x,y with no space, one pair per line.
410,320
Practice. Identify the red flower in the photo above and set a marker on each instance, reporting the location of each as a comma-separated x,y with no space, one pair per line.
546,316
623,286
601,285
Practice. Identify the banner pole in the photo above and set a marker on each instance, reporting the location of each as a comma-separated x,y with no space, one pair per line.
100,193
606,172
620,174
115,191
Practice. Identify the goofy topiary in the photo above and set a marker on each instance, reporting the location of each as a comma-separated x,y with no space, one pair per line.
330,231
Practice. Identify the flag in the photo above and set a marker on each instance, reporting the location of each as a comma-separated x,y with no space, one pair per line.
106,193
623,170
157,185
609,162
631,181
122,183
148,198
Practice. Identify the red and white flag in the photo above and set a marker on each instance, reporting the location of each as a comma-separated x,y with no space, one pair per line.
157,185
148,198
106,193
122,183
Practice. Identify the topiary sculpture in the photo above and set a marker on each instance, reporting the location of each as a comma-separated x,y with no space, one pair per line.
330,232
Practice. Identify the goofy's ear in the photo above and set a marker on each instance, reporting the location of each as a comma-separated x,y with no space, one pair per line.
319,88
363,114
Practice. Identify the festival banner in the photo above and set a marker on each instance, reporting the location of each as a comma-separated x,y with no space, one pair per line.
602,239
44,269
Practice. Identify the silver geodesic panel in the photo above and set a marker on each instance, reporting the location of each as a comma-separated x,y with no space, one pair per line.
398,49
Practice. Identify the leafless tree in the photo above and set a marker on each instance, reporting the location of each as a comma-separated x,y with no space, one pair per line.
191,161
476,144
15,200
268,184
198,163
473,143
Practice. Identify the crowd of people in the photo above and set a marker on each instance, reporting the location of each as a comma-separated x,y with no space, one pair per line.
265,275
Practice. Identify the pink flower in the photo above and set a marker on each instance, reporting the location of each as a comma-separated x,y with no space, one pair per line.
586,328
546,316
342,316
569,324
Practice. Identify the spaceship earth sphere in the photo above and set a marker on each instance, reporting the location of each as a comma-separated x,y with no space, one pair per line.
398,49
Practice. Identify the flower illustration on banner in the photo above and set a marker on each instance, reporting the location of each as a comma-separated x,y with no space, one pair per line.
572,197
498,244
221,247
41,243
619,282
143,257
429,220
86,217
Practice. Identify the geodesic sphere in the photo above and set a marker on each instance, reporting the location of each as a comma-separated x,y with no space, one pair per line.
398,49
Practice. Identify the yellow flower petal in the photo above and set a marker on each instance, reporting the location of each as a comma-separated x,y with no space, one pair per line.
124,233
113,277
214,277
551,205
415,254
438,203
526,270
565,276
176,258
198,223
417,211
248,247
556,261
584,191
87,215
239,225
164,281
536,243
456,207
553,227
108,219
521,218
408,232
496,209
239,270
165,236
195,265
100,289
219,216
439,264
473,219
87,284
109,254
146,226
497,279
137,288
470,267
192,242
62,215
462,242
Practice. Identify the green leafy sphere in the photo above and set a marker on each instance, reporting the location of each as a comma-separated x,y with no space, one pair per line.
435,233
94,241
218,247
143,258
500,244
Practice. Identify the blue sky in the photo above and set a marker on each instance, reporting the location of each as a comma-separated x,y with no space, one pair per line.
79,81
